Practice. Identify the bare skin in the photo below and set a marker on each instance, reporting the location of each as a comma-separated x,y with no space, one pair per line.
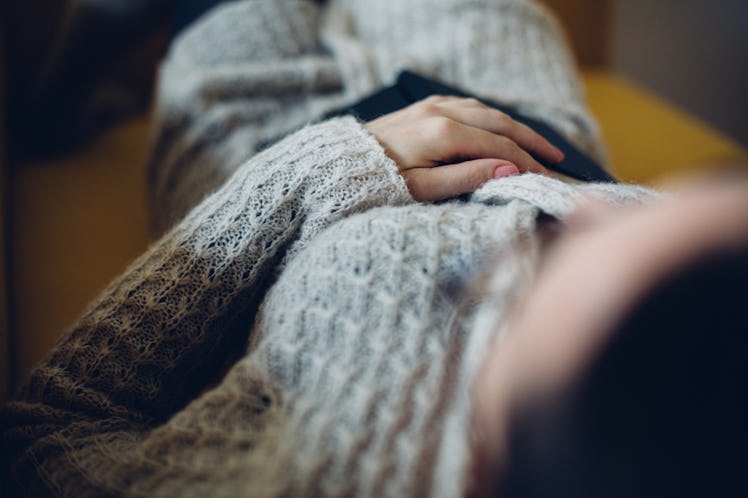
447,146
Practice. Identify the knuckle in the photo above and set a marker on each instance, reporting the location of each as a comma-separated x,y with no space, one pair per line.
502,118
442,127
432,99
430,108
432,102
506,144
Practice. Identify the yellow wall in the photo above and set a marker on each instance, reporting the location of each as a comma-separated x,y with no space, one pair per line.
649,140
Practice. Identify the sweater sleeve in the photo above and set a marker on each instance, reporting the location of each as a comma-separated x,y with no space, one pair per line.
244,74
158,334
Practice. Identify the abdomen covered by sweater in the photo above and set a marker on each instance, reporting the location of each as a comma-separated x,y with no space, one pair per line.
365,335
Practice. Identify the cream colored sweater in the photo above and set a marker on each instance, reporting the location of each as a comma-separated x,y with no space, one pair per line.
340,307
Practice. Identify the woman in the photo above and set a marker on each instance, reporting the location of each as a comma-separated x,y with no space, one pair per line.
304,325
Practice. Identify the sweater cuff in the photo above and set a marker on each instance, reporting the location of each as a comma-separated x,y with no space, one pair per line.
400,192
352,159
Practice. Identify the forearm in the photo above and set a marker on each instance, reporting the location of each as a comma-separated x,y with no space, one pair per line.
153,339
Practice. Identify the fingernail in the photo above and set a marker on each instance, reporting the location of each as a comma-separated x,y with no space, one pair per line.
560,156
505,170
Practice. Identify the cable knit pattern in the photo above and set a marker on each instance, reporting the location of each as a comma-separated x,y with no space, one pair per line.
341,310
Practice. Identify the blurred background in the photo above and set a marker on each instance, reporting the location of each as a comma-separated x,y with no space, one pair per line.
693,53
667,80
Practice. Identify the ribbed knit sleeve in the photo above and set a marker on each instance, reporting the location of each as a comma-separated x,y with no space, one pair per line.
159,333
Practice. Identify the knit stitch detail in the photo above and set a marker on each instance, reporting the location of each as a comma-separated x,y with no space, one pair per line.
340,309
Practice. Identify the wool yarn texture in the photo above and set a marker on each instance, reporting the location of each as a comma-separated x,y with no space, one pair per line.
301,326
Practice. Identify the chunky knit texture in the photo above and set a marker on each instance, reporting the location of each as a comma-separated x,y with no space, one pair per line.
342,311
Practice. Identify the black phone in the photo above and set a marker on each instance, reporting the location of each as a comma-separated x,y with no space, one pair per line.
411,87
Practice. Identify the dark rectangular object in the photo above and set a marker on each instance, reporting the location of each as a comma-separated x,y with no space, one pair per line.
411,87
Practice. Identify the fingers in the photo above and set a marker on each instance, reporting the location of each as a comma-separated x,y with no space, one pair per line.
425,136
453,140
476,114
443,182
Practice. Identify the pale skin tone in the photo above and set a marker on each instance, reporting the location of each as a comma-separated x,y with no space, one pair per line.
447,146
606,260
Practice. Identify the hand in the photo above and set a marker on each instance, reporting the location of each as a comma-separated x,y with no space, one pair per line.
447,146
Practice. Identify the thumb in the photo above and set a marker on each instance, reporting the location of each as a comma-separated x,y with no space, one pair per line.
442,182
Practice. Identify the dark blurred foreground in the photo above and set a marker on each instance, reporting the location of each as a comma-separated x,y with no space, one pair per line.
661,413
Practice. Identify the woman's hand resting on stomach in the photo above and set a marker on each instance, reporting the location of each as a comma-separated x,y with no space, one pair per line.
447,146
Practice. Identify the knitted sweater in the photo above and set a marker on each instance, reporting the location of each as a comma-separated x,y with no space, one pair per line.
339,310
